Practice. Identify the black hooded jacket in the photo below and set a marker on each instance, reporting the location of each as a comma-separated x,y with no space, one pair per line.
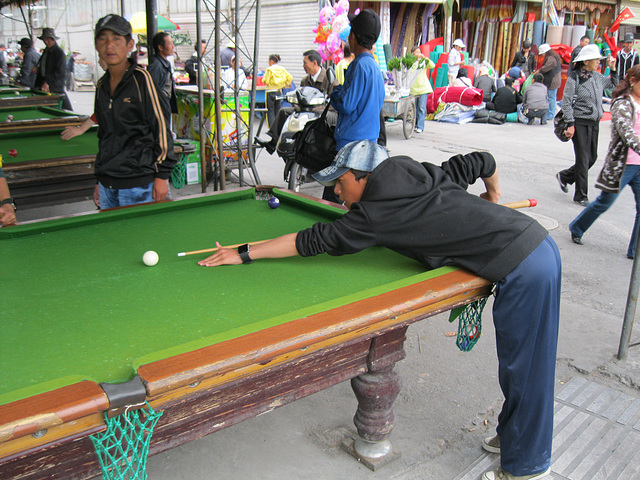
424,212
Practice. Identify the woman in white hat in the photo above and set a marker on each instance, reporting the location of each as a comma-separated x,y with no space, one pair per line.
582,109
455,60
622,165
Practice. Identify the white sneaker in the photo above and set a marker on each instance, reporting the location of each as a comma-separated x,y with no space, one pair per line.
492,444
418,130
500,474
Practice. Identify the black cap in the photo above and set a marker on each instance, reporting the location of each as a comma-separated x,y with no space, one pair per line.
115,23
26,42
366,25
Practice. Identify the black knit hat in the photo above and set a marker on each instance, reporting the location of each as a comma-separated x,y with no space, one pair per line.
366,25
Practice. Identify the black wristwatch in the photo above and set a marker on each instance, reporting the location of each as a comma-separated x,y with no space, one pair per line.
243,251
8,201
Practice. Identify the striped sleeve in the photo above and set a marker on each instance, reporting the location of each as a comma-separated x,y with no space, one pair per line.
162,134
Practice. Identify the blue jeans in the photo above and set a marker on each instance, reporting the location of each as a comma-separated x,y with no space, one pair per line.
552,96
113,197
590,214
421,110
526,341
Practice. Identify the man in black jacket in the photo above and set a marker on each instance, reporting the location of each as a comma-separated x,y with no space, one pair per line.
524,59
135,146
627,57
424,212
162,74
51,71
506,99
191,65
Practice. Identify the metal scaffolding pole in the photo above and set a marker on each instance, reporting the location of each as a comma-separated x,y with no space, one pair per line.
152,26
202,132
630,310
221,170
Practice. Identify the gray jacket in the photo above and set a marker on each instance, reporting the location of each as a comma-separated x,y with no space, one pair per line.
27,77
535,97
588,104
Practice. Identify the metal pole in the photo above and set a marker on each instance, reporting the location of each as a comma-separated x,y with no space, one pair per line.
152,26
252,104
217,93
630,310
236,93
203,134
122,8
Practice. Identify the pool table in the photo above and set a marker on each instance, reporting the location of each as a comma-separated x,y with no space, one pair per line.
208,347
46,168
37,118
29,98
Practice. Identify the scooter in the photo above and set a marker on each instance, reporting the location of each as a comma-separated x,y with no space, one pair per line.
304,101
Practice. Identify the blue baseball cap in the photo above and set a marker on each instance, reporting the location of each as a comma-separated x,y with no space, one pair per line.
363,155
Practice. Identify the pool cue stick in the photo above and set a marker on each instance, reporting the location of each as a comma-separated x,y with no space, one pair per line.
532,202
207,250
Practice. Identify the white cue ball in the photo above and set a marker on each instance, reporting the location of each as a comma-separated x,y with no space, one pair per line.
150,258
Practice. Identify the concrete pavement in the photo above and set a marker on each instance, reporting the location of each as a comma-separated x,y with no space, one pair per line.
450,400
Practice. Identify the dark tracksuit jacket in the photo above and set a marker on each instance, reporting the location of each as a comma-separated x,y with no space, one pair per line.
135,144
424,212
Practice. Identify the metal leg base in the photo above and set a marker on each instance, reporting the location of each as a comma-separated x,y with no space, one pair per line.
373,455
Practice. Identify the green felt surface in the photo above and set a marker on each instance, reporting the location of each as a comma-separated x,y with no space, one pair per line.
45,145
87,307
11,94
35,113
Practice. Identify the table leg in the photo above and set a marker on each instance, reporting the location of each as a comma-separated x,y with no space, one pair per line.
376,391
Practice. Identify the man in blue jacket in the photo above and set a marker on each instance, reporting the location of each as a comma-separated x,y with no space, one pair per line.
359,101
424,212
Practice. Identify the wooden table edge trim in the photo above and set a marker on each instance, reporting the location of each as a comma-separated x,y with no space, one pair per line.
259,347
65,404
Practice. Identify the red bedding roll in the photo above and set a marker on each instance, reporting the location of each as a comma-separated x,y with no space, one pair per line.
467,96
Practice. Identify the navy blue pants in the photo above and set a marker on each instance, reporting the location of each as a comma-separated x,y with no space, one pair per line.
526,314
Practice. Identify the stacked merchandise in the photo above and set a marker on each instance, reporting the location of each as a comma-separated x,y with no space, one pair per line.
412,24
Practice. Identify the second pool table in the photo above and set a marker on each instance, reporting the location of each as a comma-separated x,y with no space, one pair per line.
21,119
209,347
48,169
29,98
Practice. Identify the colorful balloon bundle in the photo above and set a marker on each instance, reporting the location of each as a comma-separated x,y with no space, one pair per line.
333,29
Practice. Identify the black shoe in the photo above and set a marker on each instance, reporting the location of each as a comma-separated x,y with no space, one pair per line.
563,186
583,202
543,121
576,239
531,120
268,144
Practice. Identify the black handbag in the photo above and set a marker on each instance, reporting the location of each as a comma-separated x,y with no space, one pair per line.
559,123
315,147
560,127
